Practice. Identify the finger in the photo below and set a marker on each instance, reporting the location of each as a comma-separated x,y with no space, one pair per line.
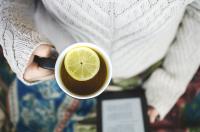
149,112
43,50
34,73
152,115
45,78
51,76
152,118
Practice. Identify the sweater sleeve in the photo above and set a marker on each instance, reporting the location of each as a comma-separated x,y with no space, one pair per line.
167,84
18,35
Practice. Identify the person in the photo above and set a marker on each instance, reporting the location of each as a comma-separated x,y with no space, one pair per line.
136,34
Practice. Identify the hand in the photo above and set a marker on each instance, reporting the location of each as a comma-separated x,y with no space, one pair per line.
153,114
35,73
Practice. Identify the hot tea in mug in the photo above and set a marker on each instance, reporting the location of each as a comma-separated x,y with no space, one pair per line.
82,70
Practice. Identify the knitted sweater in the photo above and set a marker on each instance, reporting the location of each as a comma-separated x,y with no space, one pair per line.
135,34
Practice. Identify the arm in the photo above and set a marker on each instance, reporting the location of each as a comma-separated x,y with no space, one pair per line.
18,36
167,84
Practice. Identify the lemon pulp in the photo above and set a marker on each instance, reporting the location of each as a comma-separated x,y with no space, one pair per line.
82,63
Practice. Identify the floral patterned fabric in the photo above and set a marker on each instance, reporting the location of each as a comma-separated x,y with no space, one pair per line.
45,108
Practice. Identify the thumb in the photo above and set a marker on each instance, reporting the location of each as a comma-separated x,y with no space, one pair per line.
43,50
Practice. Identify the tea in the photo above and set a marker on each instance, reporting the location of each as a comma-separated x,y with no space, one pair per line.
85,88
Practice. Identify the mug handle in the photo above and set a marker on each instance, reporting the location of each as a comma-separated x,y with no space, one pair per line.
49,62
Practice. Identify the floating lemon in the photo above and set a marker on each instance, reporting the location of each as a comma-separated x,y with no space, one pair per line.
82,63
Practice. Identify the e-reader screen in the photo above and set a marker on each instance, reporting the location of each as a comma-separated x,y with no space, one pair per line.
126,114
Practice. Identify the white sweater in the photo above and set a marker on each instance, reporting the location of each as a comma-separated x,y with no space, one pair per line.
135,33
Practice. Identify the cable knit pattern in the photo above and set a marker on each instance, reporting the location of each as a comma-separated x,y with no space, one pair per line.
18,35
166,85
122,27
135,33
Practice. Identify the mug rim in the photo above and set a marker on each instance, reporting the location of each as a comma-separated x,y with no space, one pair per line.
58,66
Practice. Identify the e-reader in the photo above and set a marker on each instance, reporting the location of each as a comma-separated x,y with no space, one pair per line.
122,111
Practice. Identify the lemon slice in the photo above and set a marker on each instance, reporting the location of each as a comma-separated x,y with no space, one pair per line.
82,63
